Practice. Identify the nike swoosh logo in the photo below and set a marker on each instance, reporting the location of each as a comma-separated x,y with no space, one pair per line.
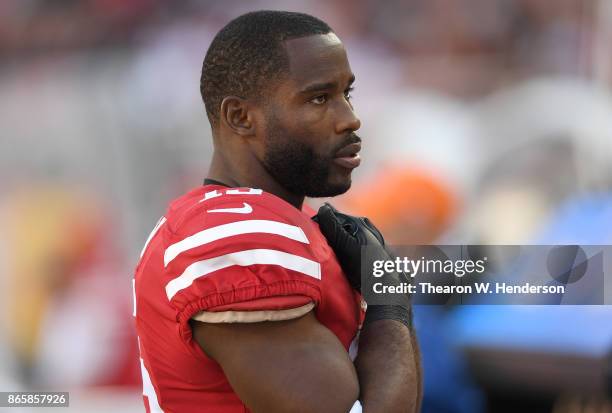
246,209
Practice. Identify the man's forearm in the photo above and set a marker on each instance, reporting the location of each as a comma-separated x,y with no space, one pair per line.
388,364
389,370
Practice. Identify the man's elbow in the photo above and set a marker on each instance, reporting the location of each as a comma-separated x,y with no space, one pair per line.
343,400
335,395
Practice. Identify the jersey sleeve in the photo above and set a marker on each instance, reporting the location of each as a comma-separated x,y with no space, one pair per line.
227,266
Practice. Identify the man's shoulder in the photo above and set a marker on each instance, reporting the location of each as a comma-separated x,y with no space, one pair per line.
230,246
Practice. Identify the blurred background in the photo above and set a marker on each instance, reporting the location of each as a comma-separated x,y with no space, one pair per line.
492,117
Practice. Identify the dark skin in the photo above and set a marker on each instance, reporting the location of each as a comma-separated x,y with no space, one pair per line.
300,365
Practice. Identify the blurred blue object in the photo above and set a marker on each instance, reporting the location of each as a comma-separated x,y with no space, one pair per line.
583,331
534,328
448,388
583,220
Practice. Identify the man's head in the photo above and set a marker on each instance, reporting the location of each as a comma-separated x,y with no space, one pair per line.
276,84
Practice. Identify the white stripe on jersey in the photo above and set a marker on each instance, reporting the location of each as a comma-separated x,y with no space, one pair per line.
231,229
148,389
134,296
356,408
243,258
161,222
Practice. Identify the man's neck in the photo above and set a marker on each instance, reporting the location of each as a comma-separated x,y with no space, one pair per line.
254,177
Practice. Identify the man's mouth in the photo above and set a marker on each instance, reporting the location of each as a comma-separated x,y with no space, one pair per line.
348,157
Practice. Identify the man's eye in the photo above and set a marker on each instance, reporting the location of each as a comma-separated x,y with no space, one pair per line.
348,93
319,100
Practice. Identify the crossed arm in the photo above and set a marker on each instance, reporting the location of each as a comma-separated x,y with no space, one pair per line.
300,366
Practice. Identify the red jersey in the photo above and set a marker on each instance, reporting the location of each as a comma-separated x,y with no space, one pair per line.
228,255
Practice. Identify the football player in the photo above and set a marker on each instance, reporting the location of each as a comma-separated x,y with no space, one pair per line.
242,301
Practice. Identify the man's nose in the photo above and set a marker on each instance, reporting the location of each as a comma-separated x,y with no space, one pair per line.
347,119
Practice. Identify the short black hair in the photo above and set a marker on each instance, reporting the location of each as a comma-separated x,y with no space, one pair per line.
248,53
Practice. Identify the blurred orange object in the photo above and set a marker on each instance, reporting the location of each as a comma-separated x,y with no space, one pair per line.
49,232
409,205
66,299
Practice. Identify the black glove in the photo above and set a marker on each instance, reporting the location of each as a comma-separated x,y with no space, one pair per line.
346,235
357,244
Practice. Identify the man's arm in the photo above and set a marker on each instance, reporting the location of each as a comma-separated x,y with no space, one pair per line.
388,363
283,366
389,368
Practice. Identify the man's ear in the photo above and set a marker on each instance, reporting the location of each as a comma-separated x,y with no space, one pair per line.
237,115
